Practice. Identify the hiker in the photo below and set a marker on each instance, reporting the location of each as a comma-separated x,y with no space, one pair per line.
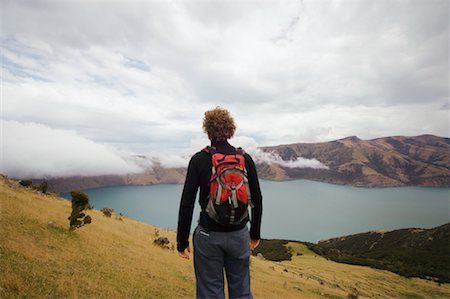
222,240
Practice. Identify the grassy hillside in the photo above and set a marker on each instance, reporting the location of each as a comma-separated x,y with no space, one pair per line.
112,258
410,252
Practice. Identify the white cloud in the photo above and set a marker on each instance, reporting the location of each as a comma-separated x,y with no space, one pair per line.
198,143
272,158
171,161
245,142
252,147
31,150
259,156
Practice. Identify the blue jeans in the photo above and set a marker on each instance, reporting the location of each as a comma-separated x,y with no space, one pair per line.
215,252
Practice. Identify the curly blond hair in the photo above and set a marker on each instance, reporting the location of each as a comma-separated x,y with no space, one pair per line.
218,124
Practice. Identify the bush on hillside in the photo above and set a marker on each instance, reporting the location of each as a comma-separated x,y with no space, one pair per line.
408,252
42,187
107,212
162,242
26,183
80,203
274,250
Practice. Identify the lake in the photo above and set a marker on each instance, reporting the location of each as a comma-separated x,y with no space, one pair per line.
299,210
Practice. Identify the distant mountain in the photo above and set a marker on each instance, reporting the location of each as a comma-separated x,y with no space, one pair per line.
382,162
410,252
151,176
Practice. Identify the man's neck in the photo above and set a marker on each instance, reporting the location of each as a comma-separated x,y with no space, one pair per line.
222,145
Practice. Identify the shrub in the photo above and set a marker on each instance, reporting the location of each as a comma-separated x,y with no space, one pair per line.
107,212
43,187
274,250
80,202
26,183
162,242
87,219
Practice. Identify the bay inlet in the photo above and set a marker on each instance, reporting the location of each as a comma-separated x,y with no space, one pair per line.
298,210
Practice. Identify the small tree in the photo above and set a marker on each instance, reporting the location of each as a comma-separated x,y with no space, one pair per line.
80,202
107,212
43,187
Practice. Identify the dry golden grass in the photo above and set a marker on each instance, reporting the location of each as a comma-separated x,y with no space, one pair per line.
110,258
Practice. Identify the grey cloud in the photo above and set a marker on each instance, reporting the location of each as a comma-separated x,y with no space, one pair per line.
134,63
218,14
364,25
139,72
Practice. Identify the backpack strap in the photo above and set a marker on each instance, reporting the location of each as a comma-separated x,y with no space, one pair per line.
209,150
212,150
240,151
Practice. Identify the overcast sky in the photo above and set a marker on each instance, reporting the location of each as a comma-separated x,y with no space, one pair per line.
137,76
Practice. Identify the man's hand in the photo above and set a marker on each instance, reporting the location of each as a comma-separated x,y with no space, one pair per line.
185,254
253,244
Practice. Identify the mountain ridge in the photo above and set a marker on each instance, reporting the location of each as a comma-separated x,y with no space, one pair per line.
391,161
381,162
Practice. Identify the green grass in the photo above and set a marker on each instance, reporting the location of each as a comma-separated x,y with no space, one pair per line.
408,252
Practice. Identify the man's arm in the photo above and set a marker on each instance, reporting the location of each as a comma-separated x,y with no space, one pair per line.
187,204
256,197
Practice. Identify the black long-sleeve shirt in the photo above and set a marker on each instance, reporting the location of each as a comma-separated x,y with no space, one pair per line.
199,175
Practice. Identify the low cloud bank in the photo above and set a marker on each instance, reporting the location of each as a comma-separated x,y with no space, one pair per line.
31,150
259,156
171,161
272,158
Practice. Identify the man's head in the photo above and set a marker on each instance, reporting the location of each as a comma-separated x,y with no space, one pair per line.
218,124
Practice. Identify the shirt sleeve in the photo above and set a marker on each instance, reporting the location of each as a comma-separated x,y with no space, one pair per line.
256,197
187,204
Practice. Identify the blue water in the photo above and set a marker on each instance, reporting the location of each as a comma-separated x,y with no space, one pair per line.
298,210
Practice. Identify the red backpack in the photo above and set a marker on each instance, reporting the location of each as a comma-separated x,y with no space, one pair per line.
229,196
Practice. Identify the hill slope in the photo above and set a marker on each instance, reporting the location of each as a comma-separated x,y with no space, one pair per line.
382,162
112,258
410,252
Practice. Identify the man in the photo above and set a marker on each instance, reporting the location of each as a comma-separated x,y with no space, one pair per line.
218,247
